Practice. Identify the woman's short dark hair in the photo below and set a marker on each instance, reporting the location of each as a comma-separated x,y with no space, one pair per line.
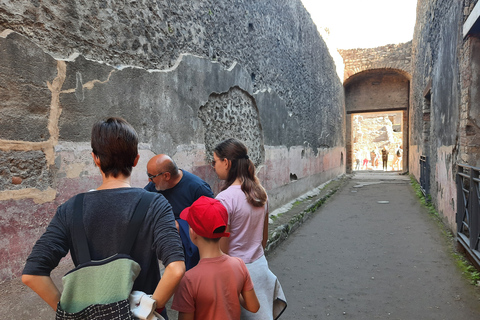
115,143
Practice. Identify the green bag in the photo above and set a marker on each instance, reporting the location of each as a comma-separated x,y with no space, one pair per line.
100,289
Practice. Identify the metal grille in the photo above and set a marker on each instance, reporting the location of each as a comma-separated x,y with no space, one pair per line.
468,208
425,177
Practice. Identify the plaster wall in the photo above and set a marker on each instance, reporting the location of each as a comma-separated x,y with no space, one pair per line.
186,75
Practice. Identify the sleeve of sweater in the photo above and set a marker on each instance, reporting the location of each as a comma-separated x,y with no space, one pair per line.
50,248
166,239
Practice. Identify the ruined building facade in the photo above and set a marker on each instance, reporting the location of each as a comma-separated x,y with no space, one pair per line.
185,74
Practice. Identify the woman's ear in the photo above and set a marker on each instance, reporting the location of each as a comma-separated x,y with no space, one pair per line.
96,159
136,160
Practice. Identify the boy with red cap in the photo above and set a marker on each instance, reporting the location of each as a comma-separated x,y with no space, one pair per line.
219,284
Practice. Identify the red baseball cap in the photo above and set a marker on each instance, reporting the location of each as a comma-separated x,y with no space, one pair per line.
205,216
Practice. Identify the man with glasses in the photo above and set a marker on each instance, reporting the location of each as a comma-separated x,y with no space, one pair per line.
181,188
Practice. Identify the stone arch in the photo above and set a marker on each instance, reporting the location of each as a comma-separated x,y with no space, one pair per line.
392,56
377,69
381,90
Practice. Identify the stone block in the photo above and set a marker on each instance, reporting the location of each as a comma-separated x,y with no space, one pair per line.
25,71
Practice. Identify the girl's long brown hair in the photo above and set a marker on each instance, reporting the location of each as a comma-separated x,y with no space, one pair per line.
243,168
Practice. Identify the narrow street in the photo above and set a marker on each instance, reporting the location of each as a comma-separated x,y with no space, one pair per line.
372,252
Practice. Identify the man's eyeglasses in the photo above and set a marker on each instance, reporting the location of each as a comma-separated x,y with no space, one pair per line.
151,177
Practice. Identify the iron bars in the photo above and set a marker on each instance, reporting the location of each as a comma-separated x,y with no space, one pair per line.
468,209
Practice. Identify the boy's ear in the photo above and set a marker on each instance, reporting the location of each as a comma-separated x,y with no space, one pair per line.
193,234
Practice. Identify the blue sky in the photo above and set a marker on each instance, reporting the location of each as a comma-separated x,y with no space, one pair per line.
364,23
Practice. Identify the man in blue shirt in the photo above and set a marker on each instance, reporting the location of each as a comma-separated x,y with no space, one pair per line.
181,188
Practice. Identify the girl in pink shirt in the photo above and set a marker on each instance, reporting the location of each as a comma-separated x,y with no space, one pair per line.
246,202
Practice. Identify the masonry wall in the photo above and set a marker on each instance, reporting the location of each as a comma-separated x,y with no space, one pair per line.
435,114
377,79
185,74
378,90
392,56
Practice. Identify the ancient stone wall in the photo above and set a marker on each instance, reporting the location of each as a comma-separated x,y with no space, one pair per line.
185,74
392,56
437,93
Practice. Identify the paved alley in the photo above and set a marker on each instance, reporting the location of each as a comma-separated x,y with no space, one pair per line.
372,252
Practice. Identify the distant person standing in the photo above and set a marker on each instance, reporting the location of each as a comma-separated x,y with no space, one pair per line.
366,158
397,162
181,188
357,159
377,157
373,156
384,157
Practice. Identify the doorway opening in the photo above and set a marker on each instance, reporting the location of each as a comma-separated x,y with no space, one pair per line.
377,140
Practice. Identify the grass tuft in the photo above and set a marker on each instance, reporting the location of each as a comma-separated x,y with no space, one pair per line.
467,269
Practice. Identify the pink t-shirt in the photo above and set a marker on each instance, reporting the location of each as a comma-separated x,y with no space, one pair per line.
211,289
246,224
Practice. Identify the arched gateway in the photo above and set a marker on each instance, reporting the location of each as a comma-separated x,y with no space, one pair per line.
377,99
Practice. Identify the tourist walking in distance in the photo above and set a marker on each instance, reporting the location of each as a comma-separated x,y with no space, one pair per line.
246,202
358,155
384,157
397,162
366,158
377,157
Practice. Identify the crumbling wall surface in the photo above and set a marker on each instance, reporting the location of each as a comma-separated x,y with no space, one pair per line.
185,74
436,96
275,41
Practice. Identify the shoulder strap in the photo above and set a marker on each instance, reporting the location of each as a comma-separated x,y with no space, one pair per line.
136,221
80,238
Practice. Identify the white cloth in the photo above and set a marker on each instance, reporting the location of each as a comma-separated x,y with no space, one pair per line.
268,290
143,306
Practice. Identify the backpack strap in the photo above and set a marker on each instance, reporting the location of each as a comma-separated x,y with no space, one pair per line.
136,221
80,238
